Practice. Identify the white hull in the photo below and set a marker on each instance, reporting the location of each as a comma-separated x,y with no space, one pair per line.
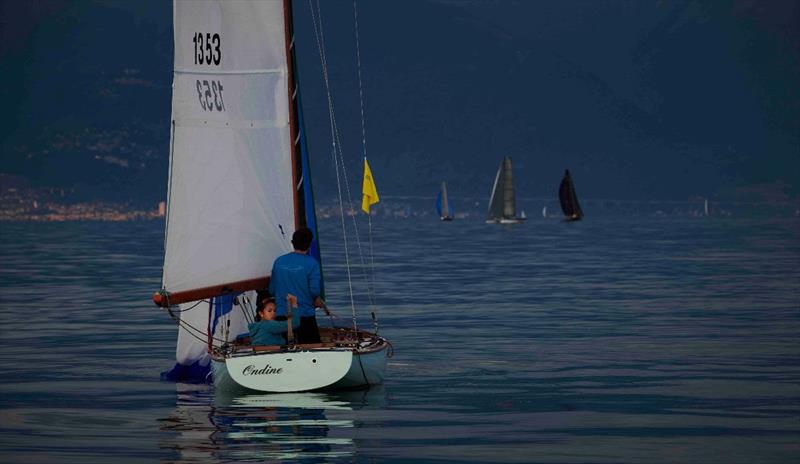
296,370
505,221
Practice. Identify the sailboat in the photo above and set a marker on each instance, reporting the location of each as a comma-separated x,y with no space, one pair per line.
443,205
569,201
502,206
239,185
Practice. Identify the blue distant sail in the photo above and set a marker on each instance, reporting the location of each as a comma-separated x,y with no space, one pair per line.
443,206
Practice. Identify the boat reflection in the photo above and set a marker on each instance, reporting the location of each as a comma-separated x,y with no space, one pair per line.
298,427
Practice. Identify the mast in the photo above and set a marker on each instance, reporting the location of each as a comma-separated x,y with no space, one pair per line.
294,131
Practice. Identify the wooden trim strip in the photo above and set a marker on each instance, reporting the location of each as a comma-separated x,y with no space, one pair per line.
164,299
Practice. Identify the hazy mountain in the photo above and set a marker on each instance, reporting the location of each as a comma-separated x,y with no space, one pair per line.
88,85
638,99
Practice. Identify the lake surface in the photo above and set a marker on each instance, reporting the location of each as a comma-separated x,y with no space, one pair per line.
619,339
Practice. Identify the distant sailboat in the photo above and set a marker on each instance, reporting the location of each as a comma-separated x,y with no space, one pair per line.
705,207
443,205
544,212
569,201
502,206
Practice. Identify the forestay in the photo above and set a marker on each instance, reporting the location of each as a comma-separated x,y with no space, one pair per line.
230,209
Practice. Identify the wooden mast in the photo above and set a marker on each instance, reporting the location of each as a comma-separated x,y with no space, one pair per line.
294,131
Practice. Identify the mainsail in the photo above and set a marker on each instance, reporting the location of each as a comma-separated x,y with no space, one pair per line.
230,203
568,199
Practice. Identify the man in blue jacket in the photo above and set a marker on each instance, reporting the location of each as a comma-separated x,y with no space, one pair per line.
298,274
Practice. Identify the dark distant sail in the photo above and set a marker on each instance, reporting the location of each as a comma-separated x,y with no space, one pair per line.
568,199
509,201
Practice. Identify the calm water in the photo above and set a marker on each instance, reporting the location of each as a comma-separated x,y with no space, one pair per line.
612,340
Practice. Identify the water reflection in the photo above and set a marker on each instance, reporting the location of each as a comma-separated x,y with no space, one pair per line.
298,427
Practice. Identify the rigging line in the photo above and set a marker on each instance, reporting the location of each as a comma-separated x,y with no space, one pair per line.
189,308
338,157
370,291
337,151
360,86
244,305
340,162
363,372
371,264
186,326
370,285
320,38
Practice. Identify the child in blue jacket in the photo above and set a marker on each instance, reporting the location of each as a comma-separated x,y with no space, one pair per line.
266,330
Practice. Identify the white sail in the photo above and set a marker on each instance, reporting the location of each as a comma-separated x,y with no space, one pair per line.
496,198
502,204
230,207
445,204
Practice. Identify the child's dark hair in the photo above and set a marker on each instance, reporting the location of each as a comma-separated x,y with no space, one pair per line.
264,302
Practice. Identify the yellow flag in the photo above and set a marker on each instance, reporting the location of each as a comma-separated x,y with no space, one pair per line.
368,189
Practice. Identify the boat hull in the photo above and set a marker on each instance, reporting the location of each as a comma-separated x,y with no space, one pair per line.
318,369
505,221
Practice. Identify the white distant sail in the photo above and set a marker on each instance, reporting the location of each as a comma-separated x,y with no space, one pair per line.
443,204
502,204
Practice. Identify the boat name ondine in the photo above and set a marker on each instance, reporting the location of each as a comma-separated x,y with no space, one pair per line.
251,370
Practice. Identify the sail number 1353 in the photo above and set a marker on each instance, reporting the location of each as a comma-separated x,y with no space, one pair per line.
207,48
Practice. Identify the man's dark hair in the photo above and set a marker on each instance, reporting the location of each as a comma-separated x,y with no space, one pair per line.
301,239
